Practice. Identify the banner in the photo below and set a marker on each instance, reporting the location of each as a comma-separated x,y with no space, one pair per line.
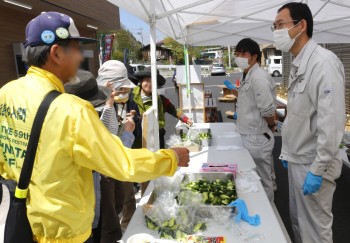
107,44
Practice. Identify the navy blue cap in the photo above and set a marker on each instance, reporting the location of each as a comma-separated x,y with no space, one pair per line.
50,27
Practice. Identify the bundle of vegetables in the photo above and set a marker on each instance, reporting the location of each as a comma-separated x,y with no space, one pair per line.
216,192
205,135
178,227
196,135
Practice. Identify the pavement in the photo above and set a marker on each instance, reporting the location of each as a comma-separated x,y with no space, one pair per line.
341,202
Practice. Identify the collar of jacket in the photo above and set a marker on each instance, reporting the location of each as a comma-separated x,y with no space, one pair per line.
137,98
47,76
251,70
310,48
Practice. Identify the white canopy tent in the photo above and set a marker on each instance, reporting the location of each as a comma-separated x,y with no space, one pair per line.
225,22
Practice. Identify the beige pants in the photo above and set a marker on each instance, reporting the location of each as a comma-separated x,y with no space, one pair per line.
311,215
260,149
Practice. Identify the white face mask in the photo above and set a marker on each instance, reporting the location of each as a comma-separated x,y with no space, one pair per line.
242,62
122,98
282,39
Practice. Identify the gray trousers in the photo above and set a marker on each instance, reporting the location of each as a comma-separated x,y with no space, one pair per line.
260,149
311,215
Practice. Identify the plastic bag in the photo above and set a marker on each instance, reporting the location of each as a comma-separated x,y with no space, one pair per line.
167,183
174,140
186,220
189,198
164,208
247,232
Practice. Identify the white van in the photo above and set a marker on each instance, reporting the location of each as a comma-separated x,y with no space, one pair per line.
274,65
138,67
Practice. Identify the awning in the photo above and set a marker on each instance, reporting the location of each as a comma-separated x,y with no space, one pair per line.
225,22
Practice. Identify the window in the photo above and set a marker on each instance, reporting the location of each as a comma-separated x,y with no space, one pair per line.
141,68
277,61
208,55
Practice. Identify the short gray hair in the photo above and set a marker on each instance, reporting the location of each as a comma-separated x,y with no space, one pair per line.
36,55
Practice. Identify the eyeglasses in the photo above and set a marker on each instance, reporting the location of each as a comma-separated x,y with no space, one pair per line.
279,25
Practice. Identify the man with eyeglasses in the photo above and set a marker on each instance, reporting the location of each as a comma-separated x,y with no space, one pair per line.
313,128
256,110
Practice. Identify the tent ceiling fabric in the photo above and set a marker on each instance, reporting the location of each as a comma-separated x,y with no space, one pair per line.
225,22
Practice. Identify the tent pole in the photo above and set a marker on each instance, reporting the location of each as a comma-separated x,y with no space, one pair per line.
145,9
154,71
237,18
233,33
229,56
188,82
319,10
191,5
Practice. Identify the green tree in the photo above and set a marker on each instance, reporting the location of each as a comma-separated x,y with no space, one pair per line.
177,50
124,39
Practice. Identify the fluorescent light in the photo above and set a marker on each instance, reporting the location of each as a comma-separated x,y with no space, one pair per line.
92,27
18,4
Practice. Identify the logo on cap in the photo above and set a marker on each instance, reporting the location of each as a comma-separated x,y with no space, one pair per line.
47,36
62,33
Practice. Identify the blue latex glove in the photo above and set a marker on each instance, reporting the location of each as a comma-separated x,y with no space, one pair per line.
284,163
229,85
312,183
242,213
235,115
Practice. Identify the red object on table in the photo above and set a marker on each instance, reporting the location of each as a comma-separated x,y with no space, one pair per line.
238,83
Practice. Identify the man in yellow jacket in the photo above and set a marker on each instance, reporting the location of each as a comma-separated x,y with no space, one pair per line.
73,140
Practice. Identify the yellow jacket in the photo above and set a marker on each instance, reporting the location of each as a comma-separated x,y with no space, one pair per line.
73,142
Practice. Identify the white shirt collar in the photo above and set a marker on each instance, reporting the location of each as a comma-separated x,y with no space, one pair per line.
297,60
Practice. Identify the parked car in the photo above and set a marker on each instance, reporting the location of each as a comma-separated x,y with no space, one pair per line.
137,67
274,65
217,69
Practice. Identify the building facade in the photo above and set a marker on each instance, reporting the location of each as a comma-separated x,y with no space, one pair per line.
89,16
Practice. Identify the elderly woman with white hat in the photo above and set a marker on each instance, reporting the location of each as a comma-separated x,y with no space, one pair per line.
116,200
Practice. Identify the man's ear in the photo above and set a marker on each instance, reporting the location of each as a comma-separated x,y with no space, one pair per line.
254,57
303,25
56,54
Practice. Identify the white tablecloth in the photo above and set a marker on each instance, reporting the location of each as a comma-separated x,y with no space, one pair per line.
270,230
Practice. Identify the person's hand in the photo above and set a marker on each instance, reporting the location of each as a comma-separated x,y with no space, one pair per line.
312,183
284,164
273,126
110,101
129,124
184,156
133,113
229,85
189,122
235,115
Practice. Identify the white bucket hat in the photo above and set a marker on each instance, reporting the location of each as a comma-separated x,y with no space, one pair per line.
116,72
